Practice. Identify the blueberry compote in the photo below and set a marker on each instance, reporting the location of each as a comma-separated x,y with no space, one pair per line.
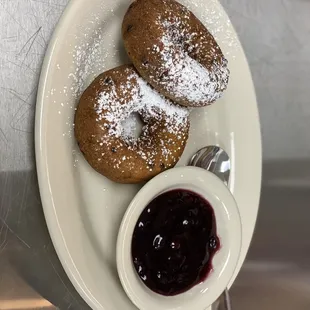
174,241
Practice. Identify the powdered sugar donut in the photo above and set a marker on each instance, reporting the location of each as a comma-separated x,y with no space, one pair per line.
104,135
174,52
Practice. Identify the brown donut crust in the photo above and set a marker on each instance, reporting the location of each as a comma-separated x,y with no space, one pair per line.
142,34
112,156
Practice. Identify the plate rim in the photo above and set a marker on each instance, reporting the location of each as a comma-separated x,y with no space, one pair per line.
42,168
48,206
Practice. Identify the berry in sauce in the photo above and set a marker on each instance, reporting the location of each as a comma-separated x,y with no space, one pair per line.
174,242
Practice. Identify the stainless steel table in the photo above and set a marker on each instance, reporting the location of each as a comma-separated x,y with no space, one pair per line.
275,35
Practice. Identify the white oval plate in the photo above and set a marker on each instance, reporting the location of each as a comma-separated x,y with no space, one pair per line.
83,210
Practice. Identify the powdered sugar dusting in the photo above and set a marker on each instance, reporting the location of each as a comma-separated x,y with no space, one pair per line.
183,76
89,60
131,126
187,78
211,13
117,105
84,55
92,50
144,100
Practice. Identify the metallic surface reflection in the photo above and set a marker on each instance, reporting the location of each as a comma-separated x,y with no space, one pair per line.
277,271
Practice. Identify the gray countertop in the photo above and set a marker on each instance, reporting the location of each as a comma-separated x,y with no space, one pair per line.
275,35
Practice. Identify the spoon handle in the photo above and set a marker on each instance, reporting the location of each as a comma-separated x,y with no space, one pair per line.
227,302
223,303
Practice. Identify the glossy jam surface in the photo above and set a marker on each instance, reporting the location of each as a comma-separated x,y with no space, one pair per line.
174,242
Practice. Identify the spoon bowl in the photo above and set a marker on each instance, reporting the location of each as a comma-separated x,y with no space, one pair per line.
213,159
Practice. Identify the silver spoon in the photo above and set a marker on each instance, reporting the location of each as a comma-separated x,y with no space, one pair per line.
216,160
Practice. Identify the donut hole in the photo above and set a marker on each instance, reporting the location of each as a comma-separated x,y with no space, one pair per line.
132,126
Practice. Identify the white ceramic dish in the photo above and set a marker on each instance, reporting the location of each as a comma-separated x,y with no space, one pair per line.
224,263
83,210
